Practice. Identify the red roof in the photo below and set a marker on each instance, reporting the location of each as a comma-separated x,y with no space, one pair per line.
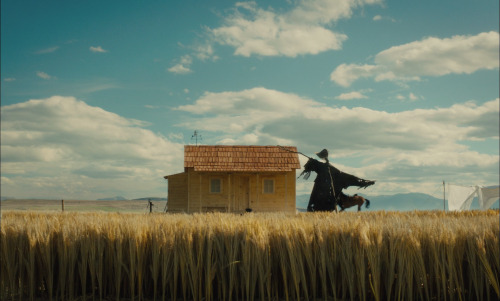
240,158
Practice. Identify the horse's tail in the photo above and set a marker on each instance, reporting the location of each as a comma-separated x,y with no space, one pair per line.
367,203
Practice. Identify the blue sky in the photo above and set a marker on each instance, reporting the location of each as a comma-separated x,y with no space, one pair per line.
99,97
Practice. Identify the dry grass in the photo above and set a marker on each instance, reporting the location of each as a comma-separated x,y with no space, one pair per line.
321,256
129,206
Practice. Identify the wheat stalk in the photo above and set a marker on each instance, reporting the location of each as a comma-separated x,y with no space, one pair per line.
350,256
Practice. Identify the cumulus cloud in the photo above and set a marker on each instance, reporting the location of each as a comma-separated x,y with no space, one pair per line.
66,141
251,30
274,110
428,57
43,75
302,30
410,97
351,95
183,67
98,49
205,52
346,74
416,143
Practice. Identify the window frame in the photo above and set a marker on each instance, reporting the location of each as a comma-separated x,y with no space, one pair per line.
273,183
211,186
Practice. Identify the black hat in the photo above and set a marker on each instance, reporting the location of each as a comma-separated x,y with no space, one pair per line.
323,154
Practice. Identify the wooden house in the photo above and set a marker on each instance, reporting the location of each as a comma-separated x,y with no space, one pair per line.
233,179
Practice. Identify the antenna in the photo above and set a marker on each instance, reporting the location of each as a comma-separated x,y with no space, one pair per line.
196,136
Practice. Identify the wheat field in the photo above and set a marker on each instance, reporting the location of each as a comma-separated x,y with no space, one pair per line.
428,255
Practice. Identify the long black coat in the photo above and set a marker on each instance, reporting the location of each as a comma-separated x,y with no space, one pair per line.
322,196
328,184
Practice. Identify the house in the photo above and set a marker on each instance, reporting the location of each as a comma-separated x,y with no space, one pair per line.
234,178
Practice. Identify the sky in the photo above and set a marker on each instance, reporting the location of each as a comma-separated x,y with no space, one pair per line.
98,98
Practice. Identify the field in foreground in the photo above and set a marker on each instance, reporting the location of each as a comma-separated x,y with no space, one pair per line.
351,256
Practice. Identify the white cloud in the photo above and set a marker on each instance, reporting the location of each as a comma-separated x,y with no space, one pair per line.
43,75
179,69
436,57
413,97
418,145
345,75
410,97
261,108
183,67
205,52
428,57
47,50
97,49
326,11
9,79
351,95
64,141
380,18
250,30
302,30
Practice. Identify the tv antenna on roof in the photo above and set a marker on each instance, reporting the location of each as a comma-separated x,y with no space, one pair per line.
196,136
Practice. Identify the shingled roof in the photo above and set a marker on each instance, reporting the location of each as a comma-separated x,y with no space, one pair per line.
240,158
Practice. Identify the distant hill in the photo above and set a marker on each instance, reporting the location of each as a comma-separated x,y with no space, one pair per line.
121,198
397,202
151,198
405,202
116,198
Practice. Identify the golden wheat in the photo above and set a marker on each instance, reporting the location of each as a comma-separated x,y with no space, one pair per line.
350,256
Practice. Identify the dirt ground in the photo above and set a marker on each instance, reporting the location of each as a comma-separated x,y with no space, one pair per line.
79,205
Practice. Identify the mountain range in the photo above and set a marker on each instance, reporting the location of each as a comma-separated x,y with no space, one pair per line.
121,198
397,202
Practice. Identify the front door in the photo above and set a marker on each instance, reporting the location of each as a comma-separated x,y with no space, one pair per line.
243,193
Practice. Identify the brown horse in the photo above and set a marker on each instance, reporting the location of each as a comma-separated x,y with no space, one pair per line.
349,201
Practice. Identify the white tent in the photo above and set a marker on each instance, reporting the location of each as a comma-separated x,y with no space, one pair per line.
461,197
488,196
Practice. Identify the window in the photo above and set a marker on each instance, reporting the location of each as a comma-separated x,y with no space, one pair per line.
215,185
268,185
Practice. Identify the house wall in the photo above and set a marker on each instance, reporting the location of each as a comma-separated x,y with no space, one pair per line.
283,198
178,193
240,191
